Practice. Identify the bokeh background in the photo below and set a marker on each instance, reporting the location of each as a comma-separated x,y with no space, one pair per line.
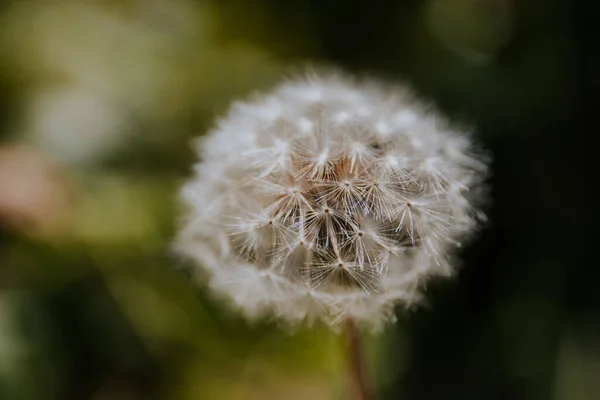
98,103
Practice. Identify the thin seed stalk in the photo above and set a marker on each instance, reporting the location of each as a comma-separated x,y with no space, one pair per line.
356,362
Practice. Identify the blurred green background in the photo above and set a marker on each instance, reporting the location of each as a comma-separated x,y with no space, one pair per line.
98,103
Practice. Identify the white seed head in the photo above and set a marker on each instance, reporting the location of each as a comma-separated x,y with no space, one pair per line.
327,199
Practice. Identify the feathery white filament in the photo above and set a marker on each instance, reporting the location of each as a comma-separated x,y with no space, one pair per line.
329,199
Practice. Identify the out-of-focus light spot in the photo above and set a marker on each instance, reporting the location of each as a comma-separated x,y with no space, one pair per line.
34,195
75,125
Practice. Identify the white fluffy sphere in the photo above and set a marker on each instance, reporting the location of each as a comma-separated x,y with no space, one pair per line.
329,199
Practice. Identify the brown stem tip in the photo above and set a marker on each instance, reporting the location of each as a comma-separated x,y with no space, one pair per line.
356,361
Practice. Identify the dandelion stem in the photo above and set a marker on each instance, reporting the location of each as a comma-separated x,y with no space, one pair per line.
356,361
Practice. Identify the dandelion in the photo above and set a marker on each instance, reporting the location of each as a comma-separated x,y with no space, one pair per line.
330,200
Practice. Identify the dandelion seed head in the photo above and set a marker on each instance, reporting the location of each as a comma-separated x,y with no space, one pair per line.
329,199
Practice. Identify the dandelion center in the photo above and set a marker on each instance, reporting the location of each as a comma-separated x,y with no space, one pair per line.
327,209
